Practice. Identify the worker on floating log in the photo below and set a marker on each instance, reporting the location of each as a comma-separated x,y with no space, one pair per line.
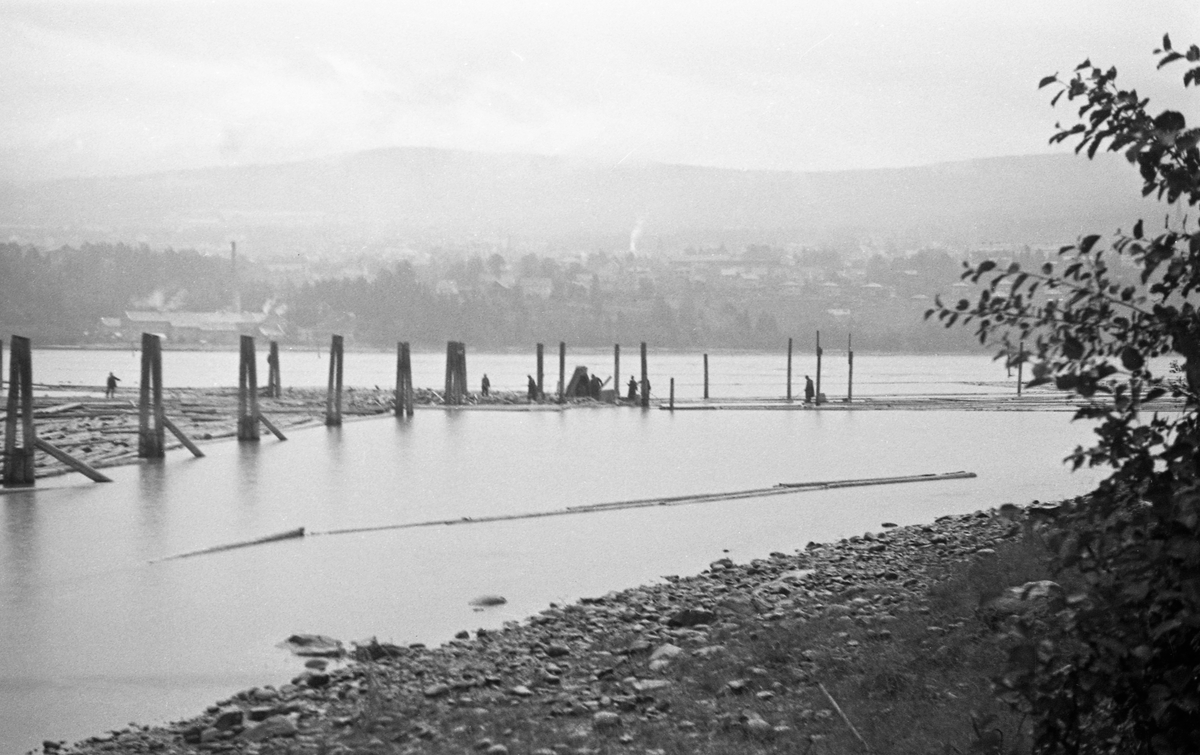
594,386
485,385
533,389
110,386
809,391
633,389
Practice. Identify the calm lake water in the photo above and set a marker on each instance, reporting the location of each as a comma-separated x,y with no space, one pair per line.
95,636
731,375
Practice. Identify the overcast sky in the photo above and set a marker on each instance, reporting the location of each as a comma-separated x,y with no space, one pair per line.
92,88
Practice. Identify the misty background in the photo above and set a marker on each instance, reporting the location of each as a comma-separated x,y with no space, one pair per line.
692,174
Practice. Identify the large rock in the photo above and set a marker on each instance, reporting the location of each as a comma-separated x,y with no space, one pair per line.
690,617
275,726
484,601
313,645
1030,596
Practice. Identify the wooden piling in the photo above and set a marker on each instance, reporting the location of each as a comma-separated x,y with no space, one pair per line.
1020,365
817,398
706,376
562,370
645,379
850,362
456,373
461,362
151,438
541,373
789,371
274,383
672,399
616,372
404,384
18,459
333,392
248,392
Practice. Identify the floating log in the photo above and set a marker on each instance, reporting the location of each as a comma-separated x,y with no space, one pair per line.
286,535
779,489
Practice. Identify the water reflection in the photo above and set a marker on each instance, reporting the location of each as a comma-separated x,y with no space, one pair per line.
81,602
19,556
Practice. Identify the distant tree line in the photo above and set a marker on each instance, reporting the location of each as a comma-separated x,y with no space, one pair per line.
58,297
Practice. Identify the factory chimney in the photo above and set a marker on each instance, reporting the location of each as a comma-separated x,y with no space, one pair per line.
237,291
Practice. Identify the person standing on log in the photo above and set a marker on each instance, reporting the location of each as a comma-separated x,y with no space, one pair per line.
633,389
533,389
110,386
485,384
809,391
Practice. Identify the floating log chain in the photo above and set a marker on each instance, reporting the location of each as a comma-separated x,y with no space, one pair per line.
779,489
287,535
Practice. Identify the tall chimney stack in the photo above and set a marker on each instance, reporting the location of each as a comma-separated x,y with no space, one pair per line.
237,291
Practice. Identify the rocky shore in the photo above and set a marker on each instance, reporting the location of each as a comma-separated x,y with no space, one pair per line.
742,657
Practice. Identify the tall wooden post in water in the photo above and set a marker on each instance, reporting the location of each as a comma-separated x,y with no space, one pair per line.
817,398
1020,365
616,372
706,376
404,384
541,372
18,458
247,392
850,363
333,391
456,372
562,370
645,379
150,407
274,383
789,371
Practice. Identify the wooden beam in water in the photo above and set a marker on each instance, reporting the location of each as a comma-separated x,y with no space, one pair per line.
183,438
850,361
271,426
789,371
70,461
616,372
274,380
1020,366
541,374
645,380
247,392
817,398
562,370
333,394
18,458
150,411
672,404
706,376
404,387
286,535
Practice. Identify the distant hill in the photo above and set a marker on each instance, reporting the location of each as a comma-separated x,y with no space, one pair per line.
447,196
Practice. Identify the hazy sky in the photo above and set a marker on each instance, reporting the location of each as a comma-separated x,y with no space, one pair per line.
91,88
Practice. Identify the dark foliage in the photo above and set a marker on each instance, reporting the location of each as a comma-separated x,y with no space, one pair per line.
1118,669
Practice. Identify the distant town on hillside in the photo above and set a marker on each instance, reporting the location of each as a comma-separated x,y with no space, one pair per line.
695,297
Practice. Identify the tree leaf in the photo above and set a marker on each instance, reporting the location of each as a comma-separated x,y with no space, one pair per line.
1132,359
1072,348
1047,81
